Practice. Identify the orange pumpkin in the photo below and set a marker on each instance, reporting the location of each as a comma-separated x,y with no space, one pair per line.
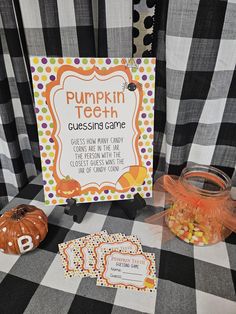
68,187
22,229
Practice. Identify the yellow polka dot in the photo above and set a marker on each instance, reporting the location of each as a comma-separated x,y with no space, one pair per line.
51,154
100,61
36,60
149,69
142,130
47,175
44,140
44,77
68,61
89,199
116,197
55,69
54,188
137,77
152,123
61,201
148,108
147,143
88,68
40,102
48,118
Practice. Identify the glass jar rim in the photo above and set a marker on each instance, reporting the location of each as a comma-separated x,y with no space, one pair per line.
218,177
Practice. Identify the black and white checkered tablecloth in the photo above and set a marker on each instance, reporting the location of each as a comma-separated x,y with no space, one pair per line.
191,279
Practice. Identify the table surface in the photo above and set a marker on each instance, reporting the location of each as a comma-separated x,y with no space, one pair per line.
191,279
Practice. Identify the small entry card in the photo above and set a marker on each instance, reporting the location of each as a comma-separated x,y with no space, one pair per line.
128,271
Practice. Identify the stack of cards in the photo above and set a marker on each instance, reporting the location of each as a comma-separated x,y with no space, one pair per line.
116,260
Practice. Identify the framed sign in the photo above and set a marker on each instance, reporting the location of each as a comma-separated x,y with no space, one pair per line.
95,123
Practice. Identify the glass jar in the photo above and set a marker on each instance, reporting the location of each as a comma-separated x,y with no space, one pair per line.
194,207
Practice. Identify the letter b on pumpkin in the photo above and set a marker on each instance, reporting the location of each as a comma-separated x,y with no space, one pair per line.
25,243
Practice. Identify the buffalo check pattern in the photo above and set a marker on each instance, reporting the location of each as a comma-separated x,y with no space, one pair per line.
195,44
191,279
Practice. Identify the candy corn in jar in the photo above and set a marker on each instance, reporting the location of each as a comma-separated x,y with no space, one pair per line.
200,210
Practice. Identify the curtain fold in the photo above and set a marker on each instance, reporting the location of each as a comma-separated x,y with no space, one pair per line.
195,118
72,28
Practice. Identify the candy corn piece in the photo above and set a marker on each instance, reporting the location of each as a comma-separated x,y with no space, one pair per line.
149,282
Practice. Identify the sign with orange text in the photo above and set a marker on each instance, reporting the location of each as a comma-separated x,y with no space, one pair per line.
95,121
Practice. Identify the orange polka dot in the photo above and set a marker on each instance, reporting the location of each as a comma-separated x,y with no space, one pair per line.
150,169
40,118
43,94
47,188
92,61
82,199
147,85
48,132
54,201
35,77
152,100
140,143
48,69
51,168
60,60
146,122
153,61
151,136
109,197
123,61
44,155
141,69
145,188
145,156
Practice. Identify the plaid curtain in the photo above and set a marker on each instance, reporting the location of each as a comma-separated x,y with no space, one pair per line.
50,28
195,108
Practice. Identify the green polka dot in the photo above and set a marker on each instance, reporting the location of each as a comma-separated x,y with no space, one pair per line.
50,181
112,191
52,61
40,69
150,115
102,198
129,196
145,100
149,182
44,168
48,147
151,77
144,136
47,202
40,133
86,193
134,70
84,61
146,61
139,189
51,125
104,68
116,61
150,150
140,123
36,94
44,110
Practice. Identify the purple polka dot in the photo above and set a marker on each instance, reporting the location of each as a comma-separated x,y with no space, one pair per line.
51,140
143,115
122,196
36,110
149,129
44,60
149,93
106,191
40,147
52,77
148,163
138,61
132,190
143,150
76,61
108,61
40,86
44,182
32,69
144,77
50,195
44,125
47,161
148,194
95,198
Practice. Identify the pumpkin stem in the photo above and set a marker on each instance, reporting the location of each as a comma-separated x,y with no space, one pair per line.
19,212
